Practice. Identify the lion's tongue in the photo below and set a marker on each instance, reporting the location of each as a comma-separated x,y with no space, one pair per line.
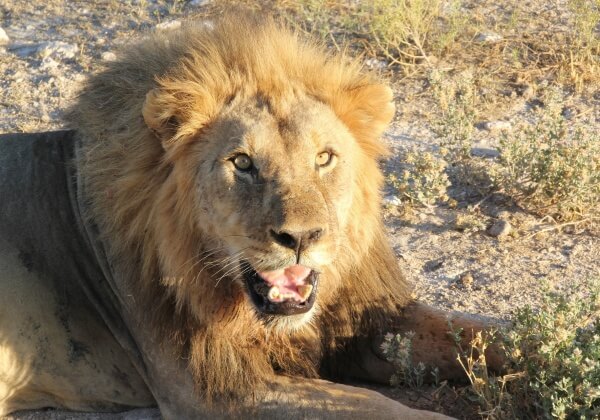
287,283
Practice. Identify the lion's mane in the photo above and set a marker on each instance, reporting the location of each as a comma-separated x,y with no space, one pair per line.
135,119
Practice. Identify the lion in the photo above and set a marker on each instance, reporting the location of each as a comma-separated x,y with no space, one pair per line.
208,237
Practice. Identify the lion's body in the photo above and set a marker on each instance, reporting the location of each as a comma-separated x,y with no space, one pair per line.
158,242
52,338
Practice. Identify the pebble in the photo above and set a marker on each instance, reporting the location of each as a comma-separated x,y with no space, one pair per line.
465,279
24,50
374,63
499,229
485,152
489,37
109,56
496,125
391,200
527,92
168,25
48,64
569,112
58,49
433,265
4,39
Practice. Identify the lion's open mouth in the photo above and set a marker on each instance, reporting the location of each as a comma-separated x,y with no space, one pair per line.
289,291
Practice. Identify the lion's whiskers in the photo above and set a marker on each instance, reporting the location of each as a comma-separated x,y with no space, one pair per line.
200,258
231,270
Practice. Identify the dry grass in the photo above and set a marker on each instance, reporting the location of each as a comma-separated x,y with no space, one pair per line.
536,42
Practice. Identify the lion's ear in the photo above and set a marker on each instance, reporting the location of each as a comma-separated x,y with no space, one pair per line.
175,115
367,111
160,115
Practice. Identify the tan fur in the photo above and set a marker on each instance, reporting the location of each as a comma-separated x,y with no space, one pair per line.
169,102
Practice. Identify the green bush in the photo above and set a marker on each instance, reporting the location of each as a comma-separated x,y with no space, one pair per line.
553,361
551,169
423,179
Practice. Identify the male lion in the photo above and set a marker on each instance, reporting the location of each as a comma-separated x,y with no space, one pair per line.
208,238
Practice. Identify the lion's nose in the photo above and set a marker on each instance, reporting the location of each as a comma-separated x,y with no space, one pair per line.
297,241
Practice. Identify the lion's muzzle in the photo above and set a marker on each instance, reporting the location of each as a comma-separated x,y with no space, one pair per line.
288,291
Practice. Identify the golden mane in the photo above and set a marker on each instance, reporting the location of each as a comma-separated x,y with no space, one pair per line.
135,119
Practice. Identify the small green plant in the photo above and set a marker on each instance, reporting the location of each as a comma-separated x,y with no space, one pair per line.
457,100
551,169
553,360
397,350
423,179
470,221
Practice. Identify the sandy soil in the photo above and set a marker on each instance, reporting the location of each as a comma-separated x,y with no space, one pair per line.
53,44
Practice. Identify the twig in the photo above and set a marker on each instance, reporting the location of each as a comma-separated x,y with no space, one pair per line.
555,227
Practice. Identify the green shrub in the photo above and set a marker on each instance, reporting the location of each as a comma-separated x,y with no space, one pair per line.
553,360
457,100
551,169
423,179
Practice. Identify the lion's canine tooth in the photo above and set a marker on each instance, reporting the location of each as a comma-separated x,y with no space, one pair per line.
305,290
273,293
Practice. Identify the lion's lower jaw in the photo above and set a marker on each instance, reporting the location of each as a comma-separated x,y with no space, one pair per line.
292,323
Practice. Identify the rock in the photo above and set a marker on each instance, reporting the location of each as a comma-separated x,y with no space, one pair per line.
489,37
569,112
485,152
374,63
433,265
496,125
48,64
4,39
499,229
109,56
58,49
391,200
198,2
24,50
168,25
527,92
465,280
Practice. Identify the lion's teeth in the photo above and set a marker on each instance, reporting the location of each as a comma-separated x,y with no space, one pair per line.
273,293
305,290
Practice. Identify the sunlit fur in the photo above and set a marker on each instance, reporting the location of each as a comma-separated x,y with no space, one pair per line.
145,121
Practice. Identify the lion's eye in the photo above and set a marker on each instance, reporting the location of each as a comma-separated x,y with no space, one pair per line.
323,158
242,162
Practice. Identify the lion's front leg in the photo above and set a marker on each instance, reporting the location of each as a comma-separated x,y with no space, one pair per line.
432,343
292,397
285,397
172,386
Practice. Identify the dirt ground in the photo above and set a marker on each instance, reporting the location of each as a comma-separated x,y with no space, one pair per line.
53,44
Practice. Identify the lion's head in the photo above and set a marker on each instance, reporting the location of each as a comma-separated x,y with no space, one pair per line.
233,170
273,187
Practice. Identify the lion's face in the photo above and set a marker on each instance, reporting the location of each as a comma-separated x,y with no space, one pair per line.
274,186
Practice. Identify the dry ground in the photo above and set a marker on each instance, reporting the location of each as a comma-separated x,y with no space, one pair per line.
54,43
